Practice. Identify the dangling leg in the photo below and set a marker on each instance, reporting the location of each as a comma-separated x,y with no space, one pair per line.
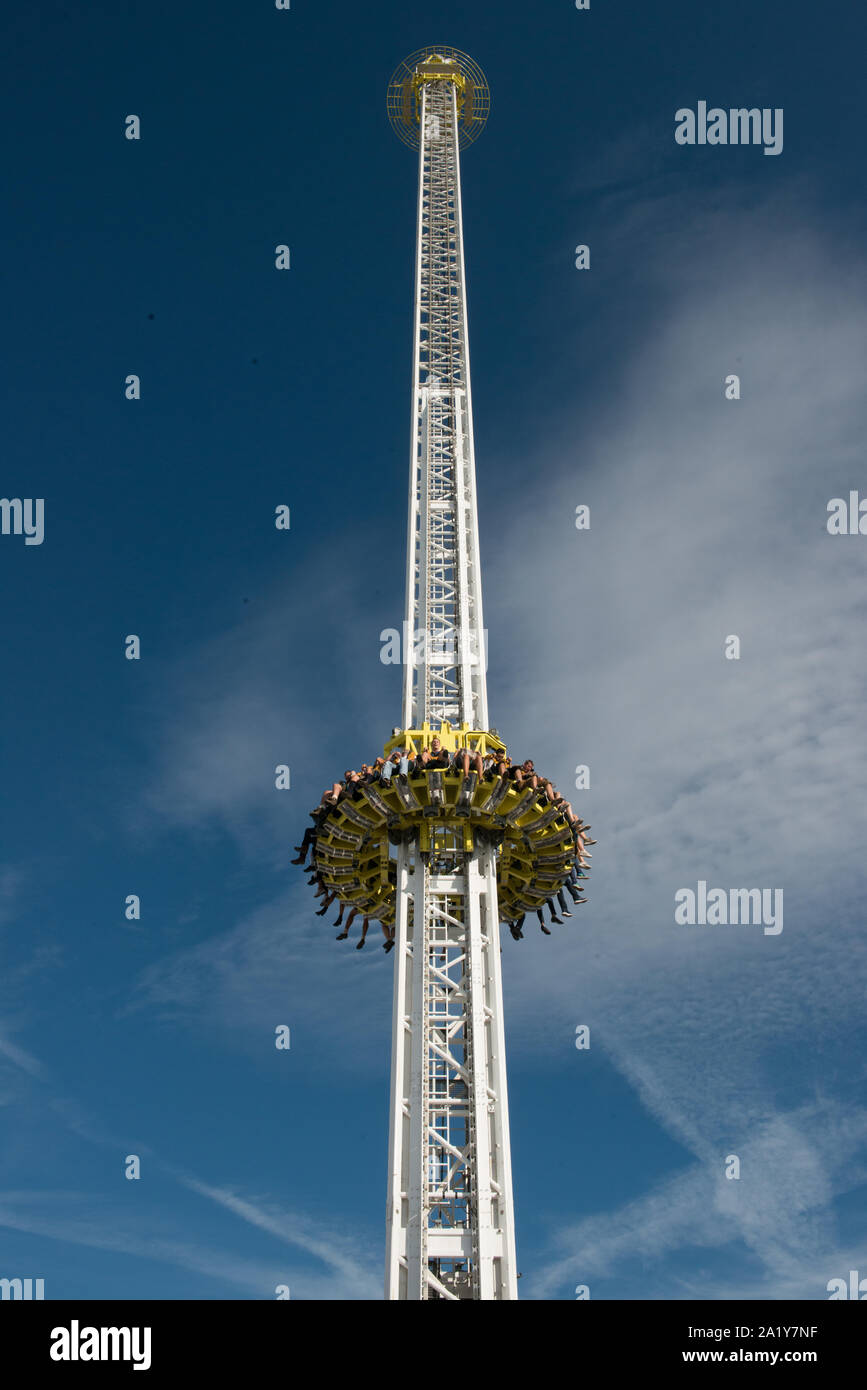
350,919
304,846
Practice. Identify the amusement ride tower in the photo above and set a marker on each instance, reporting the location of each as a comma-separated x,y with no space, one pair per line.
450,1209
441,855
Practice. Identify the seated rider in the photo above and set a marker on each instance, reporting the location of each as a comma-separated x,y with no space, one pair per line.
463,759
433,757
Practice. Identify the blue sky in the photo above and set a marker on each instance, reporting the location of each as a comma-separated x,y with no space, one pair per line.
261,647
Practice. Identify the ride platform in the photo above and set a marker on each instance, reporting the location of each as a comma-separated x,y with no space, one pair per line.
534,841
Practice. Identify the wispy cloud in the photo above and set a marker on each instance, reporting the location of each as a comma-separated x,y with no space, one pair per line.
778,1210
234,709
708,518
20,1058
103,1227
151,1231
347,1259
281,964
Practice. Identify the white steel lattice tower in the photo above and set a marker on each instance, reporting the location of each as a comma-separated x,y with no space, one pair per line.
450,1222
